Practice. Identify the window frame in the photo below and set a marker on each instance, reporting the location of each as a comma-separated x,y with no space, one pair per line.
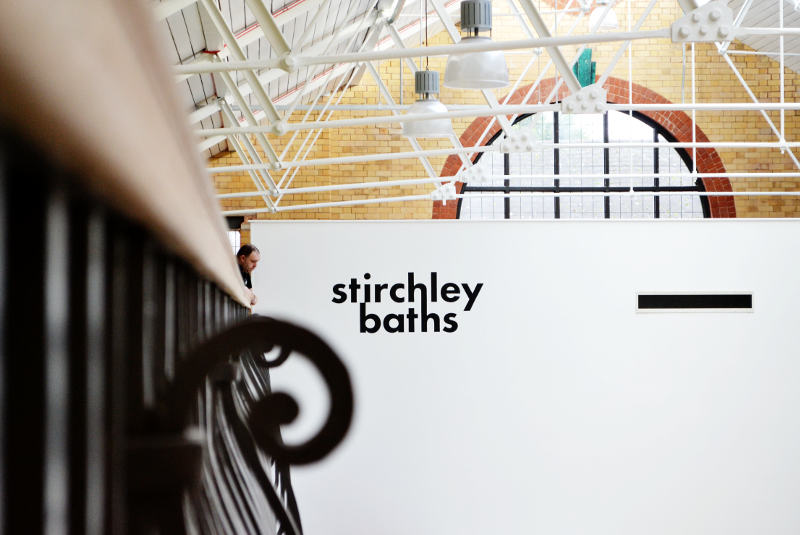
658,130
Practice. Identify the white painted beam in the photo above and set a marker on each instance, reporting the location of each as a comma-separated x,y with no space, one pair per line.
559,61
269,27
236,52
418,181
275,74
270,187
440,50
561,194
500,110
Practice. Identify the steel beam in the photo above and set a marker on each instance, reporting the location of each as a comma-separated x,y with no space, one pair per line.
440,50
264,79
238,54
559,61
388,97
254,156
408,198
271,30
762,107
502,110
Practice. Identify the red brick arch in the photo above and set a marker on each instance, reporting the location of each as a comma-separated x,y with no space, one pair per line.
677,123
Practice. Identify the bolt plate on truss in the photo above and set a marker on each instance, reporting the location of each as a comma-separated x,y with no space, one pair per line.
590,99
708,23
473,175
444,193
517,142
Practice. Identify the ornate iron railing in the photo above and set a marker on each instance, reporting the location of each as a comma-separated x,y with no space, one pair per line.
135,393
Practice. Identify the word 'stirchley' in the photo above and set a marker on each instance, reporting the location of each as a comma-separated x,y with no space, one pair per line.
409,291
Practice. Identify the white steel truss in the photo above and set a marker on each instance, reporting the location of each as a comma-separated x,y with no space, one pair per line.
368,33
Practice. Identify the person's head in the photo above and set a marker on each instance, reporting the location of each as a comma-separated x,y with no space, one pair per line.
248,256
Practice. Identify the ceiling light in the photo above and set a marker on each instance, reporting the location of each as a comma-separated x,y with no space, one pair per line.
602,17
476,70
426,85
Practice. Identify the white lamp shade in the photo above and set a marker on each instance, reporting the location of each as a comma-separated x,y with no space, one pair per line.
428,127
609,22
476,70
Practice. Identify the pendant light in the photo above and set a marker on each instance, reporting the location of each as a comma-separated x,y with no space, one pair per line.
476,70
609,18
426,85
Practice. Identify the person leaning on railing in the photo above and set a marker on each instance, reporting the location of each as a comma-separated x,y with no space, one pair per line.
247,258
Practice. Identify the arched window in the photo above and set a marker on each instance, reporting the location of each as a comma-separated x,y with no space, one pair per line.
658,175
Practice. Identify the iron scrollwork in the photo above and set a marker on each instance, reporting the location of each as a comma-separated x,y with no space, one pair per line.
238,439
260,335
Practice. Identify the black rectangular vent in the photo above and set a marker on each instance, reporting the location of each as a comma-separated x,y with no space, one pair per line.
695,301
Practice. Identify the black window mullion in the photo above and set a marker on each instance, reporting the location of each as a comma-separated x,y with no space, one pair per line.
656,200
606,169
507,184
556,168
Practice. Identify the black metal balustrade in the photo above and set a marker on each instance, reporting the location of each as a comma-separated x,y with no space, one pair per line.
134,394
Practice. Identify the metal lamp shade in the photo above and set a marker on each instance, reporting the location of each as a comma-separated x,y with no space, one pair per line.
609,22
476,70
428,127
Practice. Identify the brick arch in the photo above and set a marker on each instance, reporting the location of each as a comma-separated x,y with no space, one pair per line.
677,123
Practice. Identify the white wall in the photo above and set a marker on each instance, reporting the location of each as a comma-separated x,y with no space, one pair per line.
554,408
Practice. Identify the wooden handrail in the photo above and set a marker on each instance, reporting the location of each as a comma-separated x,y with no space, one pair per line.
86,81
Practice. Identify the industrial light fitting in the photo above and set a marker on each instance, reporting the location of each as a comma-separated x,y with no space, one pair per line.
426,85
603,17
476,70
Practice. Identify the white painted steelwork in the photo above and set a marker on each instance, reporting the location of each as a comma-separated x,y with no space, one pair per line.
312,46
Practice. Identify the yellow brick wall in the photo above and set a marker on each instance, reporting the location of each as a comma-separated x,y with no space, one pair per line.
656,64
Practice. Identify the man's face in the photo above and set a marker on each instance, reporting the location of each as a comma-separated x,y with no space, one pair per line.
249,262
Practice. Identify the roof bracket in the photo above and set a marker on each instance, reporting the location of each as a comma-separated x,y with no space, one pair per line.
706,24
289,62
590,99
444,193
473,175
517,142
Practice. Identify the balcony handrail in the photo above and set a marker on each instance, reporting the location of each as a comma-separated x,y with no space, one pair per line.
95,95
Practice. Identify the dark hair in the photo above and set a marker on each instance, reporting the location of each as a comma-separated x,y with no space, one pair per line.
246,250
